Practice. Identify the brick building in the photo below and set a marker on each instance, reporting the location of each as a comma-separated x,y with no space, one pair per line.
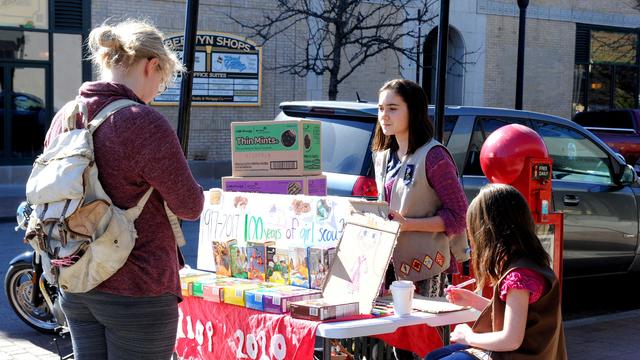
580,54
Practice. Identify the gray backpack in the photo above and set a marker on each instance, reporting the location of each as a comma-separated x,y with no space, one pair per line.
81,237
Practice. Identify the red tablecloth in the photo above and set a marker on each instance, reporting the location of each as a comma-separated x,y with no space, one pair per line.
209,330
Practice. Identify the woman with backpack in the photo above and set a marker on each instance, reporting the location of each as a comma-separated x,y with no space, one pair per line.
134,313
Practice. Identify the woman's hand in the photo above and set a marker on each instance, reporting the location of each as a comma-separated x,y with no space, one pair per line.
460,297
465,297
397,217
429,224
460,334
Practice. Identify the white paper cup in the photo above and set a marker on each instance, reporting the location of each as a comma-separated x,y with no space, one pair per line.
215,196
402,292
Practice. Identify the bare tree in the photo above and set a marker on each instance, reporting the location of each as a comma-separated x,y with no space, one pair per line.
343,30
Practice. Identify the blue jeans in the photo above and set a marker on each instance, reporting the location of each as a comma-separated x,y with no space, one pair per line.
112,327
450,352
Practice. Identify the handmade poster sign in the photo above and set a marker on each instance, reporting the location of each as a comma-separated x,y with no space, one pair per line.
287,220
361,261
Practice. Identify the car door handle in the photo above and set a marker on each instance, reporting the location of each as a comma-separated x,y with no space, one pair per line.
571,200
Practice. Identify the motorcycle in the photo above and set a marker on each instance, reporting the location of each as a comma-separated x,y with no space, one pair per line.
31,296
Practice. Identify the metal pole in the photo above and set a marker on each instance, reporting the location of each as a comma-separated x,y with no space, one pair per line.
522,4
441,69
188,58
418,48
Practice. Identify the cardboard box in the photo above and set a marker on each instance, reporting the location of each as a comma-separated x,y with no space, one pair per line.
188,276
257,253
305,185
278,265
276,299
234,294
320,258
196,288
276,148
239,261
222,256
323,309
214,290
298,267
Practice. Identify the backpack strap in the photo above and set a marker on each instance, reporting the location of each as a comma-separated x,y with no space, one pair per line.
108,111
70,112
134,212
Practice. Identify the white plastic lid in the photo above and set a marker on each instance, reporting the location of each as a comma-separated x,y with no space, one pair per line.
403,284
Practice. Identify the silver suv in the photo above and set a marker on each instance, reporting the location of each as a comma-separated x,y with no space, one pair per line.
594,188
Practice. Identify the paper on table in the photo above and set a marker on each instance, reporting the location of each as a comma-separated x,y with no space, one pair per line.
435,305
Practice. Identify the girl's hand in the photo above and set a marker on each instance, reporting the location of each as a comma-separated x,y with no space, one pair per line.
397,217
461,334
462,297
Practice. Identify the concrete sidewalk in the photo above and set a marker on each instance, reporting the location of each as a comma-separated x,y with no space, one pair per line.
615,336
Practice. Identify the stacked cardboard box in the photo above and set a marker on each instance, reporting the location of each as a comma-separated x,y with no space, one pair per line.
276,157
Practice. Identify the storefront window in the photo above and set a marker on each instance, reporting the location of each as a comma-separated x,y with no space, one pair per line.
613,47
606,71
579,84
28,112
28,14
599,90
67,59
24,45
626,89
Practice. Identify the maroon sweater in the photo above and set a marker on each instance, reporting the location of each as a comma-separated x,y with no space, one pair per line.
134,149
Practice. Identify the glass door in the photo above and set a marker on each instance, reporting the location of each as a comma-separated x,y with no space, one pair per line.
24,118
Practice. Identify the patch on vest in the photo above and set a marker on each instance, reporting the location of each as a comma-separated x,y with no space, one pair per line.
428,262
440,259
416,265
405,268
408,174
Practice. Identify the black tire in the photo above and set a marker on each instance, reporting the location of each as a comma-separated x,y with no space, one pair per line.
18,287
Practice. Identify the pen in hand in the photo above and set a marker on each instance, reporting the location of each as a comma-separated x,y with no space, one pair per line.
461,285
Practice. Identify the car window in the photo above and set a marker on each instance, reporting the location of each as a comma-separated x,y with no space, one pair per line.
449,124
484,127
345,145
575,157
614,120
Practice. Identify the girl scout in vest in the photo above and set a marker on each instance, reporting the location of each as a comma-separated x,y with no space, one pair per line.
523,321
417,176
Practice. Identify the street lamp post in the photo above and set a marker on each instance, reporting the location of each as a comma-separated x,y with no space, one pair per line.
188,58
441,69
522,4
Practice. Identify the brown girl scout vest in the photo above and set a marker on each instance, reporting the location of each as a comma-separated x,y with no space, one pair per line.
543,335
418,255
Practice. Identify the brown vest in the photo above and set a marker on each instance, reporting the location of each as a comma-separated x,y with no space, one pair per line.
544,334
418,255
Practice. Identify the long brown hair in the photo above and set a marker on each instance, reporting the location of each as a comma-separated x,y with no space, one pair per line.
420,127
501,230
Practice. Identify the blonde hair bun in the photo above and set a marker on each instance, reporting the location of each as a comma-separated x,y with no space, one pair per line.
120,45
108,38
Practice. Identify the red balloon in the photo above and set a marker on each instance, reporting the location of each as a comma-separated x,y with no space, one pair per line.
503,154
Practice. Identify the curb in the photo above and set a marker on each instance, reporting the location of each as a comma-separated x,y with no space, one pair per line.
599,319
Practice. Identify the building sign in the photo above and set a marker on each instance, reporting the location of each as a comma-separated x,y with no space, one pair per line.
227,71
24,13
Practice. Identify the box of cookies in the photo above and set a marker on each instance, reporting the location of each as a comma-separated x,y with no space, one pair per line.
276,148
294,185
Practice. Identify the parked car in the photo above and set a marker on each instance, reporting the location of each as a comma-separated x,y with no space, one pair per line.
594,188
620,129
